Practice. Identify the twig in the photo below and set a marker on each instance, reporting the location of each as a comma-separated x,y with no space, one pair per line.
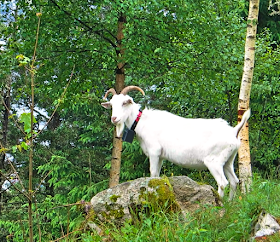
16,123
99,33
67,205
15,171
68,221
66,235
62,231
22,227
37,189
57,104
39,222
31,150
11,182
89,159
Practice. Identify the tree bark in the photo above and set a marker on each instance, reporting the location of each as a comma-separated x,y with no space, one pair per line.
119,85
5,125
245,171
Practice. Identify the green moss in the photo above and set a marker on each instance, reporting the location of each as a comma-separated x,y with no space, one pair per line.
112,213
159,182
218,199
114,198
162,199
91,216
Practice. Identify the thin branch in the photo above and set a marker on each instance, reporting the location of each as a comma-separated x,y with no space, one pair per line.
84,24
68,205
38,217
15,171
36,43
37,189
22,227
66,235
31,150
11,182
74,51
106,30
40,114
63,94
68,221
60,223
16,123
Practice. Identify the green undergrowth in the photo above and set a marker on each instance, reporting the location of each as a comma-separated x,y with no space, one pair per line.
232,222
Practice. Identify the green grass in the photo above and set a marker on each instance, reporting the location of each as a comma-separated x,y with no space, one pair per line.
232,222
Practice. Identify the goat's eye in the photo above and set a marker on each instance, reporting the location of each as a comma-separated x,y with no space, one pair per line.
126,102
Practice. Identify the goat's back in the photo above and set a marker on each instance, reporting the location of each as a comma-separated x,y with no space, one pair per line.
185,141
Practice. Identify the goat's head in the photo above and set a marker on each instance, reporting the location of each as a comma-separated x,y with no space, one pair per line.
121,105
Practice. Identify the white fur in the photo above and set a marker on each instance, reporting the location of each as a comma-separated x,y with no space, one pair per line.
192,143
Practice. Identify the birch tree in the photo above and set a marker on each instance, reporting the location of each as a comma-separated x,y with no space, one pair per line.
245,172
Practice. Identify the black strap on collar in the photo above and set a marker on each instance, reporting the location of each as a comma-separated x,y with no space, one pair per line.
136,120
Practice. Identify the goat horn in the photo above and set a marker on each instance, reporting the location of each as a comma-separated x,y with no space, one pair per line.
111,90
130,88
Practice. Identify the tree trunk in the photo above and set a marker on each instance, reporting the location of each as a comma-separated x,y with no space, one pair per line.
119,85
245,171
5,124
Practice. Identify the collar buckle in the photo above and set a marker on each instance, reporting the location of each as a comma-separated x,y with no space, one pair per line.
129,134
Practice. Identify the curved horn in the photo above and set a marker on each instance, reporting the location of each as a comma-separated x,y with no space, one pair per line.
111,90
130,88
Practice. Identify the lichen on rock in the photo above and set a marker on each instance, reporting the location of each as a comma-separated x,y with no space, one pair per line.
162,197
112,211
127,201
114,198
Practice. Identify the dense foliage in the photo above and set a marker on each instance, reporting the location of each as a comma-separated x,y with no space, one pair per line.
186,55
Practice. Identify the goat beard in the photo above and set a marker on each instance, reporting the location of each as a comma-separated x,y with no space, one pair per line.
119,129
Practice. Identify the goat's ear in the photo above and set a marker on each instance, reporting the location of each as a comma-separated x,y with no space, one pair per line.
126,102
106,105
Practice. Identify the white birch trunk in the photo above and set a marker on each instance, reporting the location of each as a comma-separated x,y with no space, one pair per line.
245,171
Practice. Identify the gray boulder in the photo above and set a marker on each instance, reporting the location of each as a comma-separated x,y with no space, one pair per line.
266,225
144,195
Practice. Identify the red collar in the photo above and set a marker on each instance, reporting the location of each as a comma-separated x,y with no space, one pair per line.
136,120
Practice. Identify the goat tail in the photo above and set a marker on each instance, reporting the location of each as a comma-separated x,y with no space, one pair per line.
244,119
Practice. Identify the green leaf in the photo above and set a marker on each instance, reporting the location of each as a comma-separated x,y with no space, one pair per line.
23,60
24,145
25,118
14,148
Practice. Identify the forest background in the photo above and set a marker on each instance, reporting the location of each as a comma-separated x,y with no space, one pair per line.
187,56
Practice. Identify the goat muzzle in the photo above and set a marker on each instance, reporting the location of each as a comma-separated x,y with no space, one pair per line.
114,120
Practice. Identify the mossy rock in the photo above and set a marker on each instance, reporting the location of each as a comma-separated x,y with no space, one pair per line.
127,201
162,198
114,198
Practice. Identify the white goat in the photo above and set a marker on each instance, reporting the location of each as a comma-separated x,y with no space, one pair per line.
190,143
